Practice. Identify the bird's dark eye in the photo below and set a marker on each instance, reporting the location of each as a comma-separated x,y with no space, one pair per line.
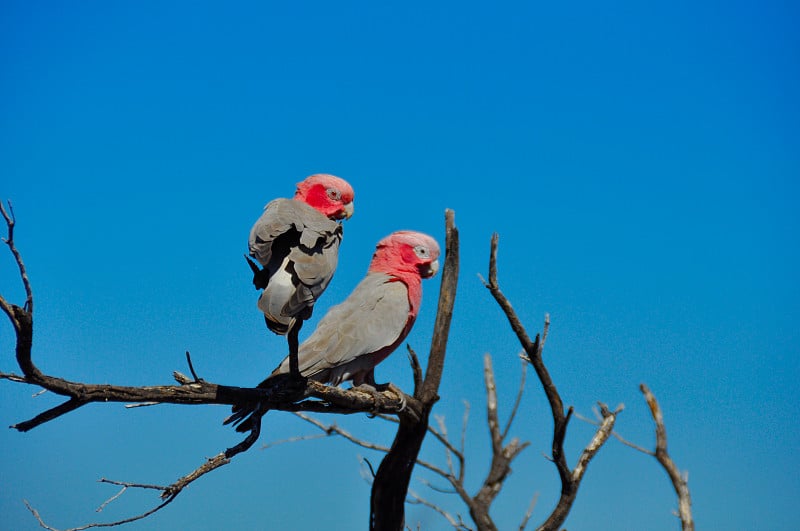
421,251
334,194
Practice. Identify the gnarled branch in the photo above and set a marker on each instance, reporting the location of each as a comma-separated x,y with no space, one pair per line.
570,479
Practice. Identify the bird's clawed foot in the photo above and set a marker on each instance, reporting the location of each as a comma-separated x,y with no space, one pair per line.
401,396
286,388
376,390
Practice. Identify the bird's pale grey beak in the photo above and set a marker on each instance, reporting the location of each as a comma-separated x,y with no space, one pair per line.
348,210
431,269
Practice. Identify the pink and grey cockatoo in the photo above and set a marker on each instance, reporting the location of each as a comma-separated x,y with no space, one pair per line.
356,335
297,243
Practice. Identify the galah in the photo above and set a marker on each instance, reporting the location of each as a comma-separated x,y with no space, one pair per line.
356,335
297,243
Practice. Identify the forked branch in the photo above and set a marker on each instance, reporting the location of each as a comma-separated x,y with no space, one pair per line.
570,479
680,482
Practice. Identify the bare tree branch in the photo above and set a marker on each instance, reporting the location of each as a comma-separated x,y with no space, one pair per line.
170,492
38,517
491,405
617,436
444,313
11,222
436,488
329,399
416,369
125,485
599,439
679,482
335,429
502,456
197,391
570,479
443,435
462,470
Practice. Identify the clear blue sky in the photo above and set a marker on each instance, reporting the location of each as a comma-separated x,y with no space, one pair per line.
640,163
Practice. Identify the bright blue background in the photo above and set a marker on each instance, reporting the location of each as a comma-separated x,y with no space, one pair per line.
640,163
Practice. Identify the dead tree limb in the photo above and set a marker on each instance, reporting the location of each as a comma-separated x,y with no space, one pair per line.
502,456
313,396
454,473
168,493
680,482
570,478
390,487
11,221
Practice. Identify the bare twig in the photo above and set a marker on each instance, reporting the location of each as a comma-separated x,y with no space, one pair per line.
518,399
529,512
443,433
11,221
168,493
39,519
297,438
416,369
545,330
335,429
491,405
16,378
463,442
679,482
599,439
125,485
457,524
191,366
142,404
364,461
617,436
129,484
436,488
111,499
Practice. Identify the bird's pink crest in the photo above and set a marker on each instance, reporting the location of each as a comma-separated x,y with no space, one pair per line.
331,195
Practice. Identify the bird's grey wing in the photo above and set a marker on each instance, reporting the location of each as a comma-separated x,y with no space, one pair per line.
315,266
279,217
372,318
